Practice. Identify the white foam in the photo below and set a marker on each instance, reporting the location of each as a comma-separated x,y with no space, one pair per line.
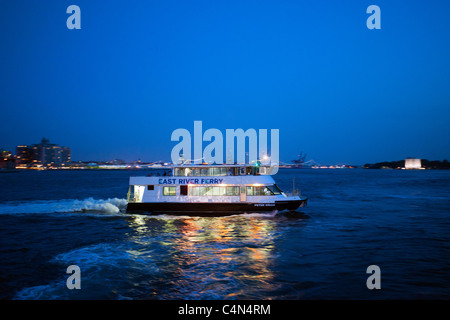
98,254
108,206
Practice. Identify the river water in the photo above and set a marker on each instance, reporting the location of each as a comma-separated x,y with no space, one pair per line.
397,220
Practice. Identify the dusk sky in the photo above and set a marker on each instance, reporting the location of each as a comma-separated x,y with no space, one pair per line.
138,70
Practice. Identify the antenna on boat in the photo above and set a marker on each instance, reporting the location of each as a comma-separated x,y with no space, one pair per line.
295,192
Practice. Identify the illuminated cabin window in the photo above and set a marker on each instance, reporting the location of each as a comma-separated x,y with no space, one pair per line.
214,191
234,191
263,190
275,190
200,172
170,191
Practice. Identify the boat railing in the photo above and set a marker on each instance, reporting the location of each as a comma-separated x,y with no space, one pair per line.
294,193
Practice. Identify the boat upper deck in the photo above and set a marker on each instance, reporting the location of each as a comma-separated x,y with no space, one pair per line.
208,174
220,170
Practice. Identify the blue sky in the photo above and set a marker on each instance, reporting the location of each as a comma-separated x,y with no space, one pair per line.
138,70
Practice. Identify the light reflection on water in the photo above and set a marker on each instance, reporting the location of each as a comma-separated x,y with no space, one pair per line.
220,257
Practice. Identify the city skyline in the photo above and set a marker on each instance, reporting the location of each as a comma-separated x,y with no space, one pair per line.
35,154
336,90
43,153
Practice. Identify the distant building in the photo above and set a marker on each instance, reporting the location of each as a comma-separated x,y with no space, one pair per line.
44,153
7,161
5,153
411,163
24,155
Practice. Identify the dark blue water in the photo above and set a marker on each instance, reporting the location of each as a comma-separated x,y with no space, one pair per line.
395,219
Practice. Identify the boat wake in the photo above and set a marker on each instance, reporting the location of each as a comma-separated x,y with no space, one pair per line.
111,206
105,206
100,264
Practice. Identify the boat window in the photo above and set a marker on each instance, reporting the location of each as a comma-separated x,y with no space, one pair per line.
232,191
193,191
261,191
266,191
182,172
201,191
222,191
209,191
214,191
183,190
150,187
258,191
211,171
170,191
274,189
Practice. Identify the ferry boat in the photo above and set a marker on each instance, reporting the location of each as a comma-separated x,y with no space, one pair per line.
209,190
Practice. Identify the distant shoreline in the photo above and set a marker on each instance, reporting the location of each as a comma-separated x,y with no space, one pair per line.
380,166
400,164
